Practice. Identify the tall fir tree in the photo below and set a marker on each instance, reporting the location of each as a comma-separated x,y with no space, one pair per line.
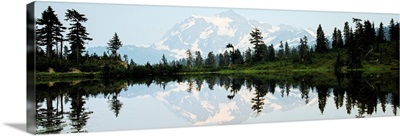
77,36
321,42
210,61
221,60
189,58
114,44
334,39
199,59
238,57
346,33
381,34
303,50
339,37
227,58
281,51
248,57
369,36
271,53
356,49
231,52
287,50
164,60
50,32
259,45
394,31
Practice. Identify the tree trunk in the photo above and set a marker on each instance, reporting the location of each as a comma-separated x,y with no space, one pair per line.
61,50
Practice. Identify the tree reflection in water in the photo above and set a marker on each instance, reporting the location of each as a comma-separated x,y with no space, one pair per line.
357,91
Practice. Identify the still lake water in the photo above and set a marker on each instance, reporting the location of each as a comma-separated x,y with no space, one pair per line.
184,101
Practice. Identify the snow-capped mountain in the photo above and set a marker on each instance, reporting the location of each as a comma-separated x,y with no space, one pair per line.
213,33
212,107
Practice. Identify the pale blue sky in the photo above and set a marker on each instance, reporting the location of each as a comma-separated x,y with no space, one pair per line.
144,25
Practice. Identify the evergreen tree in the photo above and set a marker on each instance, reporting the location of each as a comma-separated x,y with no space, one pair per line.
77,35
266,53
339,37
381,34
65,52
226,58
257,41
125,58
114,44
164,61
221,60
294,52
199,59
392,30
132,64
281,51
271,55
238,57
303,50
346,32
105,56
321,43
334,39
287,50
232,53
248,57
356,51
369,36
210,61
50,33
189,58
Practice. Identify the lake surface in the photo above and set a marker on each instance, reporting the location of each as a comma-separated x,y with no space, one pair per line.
204,100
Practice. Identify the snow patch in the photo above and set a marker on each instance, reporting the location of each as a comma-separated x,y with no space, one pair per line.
206,105
143,46
204,35
187,25
274,29
269,40
244,42
179,53
311,32
222,23
160,45
174,33
223,114
195,46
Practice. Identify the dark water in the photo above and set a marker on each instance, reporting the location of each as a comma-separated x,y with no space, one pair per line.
182,101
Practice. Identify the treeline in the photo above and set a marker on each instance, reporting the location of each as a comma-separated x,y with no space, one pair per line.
350,48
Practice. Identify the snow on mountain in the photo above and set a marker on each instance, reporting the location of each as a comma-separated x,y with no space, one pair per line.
212,107
213,33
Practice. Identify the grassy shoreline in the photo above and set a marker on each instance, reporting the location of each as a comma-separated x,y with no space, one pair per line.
65,76
46,76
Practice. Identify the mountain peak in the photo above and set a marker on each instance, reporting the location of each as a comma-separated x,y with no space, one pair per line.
231,14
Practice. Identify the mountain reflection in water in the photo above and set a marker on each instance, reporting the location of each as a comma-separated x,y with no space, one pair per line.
159,102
